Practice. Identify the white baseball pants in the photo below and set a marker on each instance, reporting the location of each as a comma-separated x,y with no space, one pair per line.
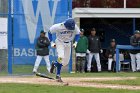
110,60
135,61
38,60
63,51
97,58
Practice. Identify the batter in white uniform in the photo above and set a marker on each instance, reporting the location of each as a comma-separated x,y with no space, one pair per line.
65,33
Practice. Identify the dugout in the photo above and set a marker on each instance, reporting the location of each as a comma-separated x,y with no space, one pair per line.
117,23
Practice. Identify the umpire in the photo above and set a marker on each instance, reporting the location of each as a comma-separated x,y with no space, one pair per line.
135,54
42,51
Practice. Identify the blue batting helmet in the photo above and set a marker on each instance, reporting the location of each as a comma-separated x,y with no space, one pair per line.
70,24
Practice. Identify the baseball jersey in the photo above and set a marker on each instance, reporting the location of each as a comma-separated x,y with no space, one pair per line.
64,34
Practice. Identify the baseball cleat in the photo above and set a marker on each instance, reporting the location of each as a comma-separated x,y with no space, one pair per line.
58,79
35,72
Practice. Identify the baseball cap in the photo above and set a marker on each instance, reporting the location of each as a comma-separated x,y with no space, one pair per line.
42,31
112,40
82,30
93,29
137,32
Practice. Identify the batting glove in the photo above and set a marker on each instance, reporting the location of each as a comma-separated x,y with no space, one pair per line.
101,51
75,44
88,51
53,45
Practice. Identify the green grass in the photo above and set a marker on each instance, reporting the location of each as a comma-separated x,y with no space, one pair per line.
30,88
135,82
27,69
103,74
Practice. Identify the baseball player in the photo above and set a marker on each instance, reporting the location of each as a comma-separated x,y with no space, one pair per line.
42,51
135,54
65,33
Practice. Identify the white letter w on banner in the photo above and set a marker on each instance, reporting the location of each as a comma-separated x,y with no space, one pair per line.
31,19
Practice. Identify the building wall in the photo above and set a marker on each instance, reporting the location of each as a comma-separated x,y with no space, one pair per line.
3,6
106,3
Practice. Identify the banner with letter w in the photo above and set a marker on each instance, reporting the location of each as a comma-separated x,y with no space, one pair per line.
29,18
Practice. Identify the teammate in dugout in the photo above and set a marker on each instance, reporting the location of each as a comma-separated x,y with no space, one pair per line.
110,53
94,47
135,54
81,50
65,33
42,51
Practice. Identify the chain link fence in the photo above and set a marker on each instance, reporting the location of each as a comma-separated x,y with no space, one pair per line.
3,37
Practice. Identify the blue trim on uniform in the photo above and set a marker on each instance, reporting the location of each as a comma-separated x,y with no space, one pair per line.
51,37
77,37
58,68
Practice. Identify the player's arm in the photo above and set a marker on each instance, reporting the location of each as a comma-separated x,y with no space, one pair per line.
47,42
51,34
39,43
77,36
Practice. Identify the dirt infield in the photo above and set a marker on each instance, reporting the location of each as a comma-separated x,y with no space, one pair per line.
73,81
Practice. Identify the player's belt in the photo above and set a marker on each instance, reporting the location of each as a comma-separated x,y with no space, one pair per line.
66,42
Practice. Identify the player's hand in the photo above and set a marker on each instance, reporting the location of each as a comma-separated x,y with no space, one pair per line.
101,51
74,45
44,41
110,56
88,51
53,45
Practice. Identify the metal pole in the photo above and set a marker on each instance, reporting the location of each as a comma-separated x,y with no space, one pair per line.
134,25
70,8
70,16
117,60
124,3
9,38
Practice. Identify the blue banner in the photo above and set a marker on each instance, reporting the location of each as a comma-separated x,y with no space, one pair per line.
30,17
